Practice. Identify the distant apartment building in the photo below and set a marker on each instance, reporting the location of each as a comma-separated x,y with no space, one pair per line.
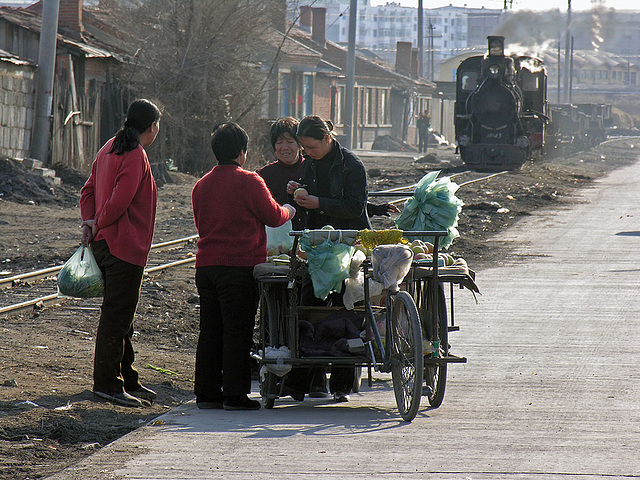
447,31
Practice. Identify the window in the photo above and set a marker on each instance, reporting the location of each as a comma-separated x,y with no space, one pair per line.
340,105
285,94
469,80
384,98
307,95
530,81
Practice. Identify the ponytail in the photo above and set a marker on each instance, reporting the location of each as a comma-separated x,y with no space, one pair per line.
140,116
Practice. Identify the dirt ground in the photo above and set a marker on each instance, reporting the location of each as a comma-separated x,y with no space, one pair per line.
48,416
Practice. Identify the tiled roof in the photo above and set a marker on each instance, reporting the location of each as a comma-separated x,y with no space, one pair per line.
366,71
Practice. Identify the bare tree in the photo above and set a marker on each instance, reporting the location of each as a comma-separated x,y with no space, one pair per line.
198,59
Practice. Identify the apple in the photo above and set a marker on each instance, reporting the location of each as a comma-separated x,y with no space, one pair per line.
420,256
300,191
417,249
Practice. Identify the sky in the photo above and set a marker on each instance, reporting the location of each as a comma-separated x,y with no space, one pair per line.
521,4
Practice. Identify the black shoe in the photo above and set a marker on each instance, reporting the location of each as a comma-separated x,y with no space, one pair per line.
241,402
120,398
340,397
209,405
296,395
206,403
144,393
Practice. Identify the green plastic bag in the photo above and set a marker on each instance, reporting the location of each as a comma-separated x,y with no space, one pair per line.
80,276
433,206
329,263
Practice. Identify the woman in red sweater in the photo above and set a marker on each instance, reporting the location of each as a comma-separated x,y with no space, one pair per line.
118,209
231,207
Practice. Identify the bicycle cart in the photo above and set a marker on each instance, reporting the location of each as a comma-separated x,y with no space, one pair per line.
403,331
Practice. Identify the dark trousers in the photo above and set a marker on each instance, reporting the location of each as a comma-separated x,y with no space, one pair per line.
423,141
113,369
341,378
228,306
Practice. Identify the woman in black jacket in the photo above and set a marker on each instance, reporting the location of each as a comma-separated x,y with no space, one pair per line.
334,178
335,193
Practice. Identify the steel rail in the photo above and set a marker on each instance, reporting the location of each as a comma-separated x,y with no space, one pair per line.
404,199
30,303
50,299
45,272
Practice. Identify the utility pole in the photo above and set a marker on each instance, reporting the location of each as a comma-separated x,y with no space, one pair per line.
571,73
559,69
420,39
567,54
351,70
40,136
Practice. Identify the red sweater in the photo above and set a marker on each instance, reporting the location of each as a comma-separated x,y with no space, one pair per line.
231,207
120,195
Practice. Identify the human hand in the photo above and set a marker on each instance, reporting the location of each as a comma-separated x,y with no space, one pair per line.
392,208
292,210
89,231
310,202
292,185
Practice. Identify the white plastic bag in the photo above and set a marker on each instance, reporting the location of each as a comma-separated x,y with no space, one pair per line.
279,368
80,276
390,264
278,238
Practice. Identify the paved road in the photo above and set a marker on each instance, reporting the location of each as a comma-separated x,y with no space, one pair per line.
551,389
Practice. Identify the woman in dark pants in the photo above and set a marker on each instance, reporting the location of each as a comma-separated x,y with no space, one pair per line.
336,184
231,207
118,208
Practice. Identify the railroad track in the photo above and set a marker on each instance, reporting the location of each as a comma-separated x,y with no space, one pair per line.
406,192
27,285
27,288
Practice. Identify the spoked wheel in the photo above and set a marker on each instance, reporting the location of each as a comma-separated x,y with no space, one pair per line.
269,331
435,374
357,380
269,389
406,355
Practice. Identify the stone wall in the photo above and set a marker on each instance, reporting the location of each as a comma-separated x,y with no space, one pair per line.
17,90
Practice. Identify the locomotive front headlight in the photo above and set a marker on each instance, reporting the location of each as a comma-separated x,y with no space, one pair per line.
494,70
464,140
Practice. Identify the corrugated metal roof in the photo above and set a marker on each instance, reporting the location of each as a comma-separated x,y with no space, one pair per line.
90,46
11,58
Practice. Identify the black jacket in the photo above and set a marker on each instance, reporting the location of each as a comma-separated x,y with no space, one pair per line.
346,207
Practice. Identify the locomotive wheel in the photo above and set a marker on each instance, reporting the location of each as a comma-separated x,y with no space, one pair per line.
406,355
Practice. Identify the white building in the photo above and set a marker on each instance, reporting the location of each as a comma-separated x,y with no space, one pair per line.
379,28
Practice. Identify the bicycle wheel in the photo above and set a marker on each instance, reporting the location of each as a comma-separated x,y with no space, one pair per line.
269,332
435,374
406,355
269,389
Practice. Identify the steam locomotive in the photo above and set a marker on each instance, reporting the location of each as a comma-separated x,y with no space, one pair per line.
501,108
502,116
